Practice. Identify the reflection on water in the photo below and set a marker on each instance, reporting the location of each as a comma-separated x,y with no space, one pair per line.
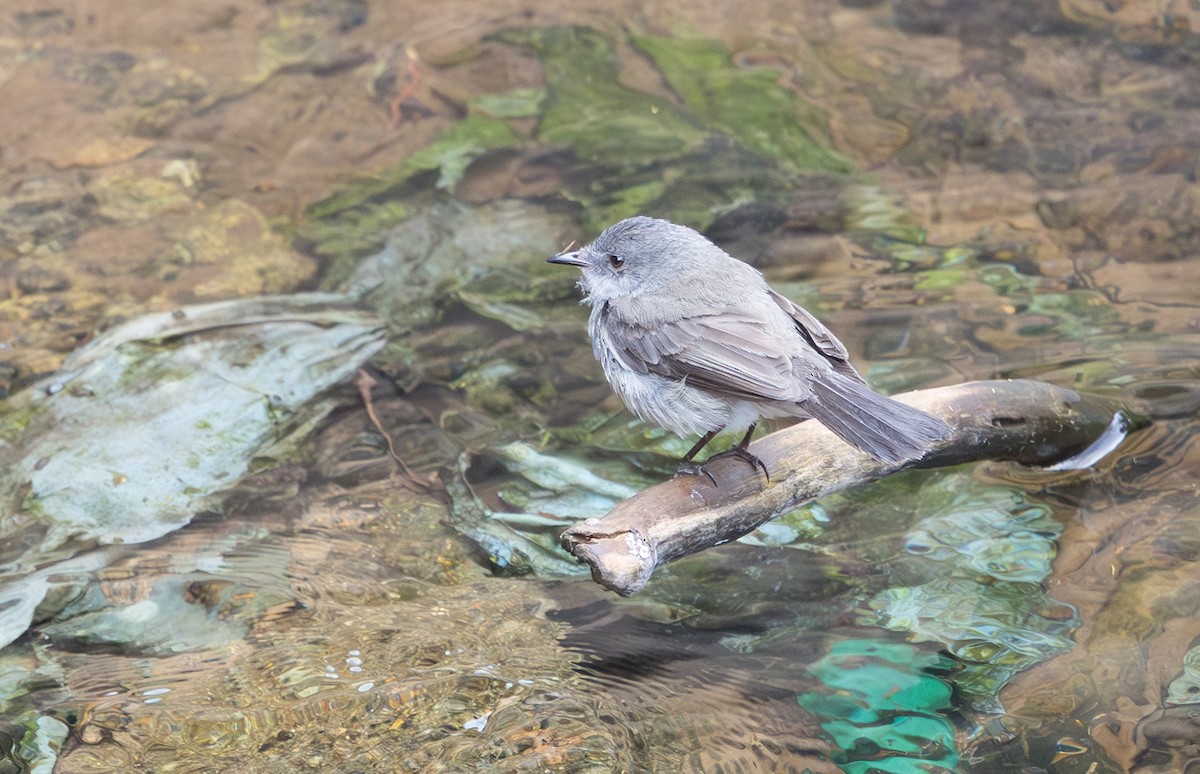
962,190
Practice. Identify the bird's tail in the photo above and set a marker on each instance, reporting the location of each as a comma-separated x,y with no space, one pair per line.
883,428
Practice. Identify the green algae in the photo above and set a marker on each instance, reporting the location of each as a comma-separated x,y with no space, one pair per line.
517,103
449,155
747,104
590,111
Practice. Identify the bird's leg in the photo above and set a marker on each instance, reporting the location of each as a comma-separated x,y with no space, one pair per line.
689,468
739,450
704,439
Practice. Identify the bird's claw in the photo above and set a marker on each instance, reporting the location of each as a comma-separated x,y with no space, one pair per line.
742,453
687,468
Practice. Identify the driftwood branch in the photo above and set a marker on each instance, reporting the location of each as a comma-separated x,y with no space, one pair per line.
1026,421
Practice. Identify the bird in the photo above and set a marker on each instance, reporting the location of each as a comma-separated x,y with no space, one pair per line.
697,342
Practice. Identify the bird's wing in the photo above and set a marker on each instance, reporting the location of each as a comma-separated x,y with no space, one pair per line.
820,338
721,352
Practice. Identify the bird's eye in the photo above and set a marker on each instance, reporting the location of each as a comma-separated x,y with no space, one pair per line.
616,261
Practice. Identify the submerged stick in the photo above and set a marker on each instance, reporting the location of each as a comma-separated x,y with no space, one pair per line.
1030,422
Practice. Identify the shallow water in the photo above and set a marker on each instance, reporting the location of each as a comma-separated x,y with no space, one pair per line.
960,190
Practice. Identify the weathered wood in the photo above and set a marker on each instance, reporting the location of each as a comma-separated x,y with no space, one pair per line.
1026,421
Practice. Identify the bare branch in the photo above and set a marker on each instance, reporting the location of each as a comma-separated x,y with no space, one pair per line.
1026,421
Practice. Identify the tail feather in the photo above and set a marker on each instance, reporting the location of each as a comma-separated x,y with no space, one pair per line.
883,428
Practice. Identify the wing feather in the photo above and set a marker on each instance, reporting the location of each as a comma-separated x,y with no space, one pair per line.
819,337
718,352
725,352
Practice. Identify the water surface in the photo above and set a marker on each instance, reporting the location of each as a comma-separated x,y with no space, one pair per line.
960,190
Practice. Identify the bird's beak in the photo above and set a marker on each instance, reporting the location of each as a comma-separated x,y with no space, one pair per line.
567,259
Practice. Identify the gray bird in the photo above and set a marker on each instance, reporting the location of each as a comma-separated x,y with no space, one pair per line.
694,340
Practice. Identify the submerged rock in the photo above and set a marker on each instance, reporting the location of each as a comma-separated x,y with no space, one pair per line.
150,423
485,256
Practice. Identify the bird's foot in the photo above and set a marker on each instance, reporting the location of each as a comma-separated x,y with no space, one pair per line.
689,468
742,453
